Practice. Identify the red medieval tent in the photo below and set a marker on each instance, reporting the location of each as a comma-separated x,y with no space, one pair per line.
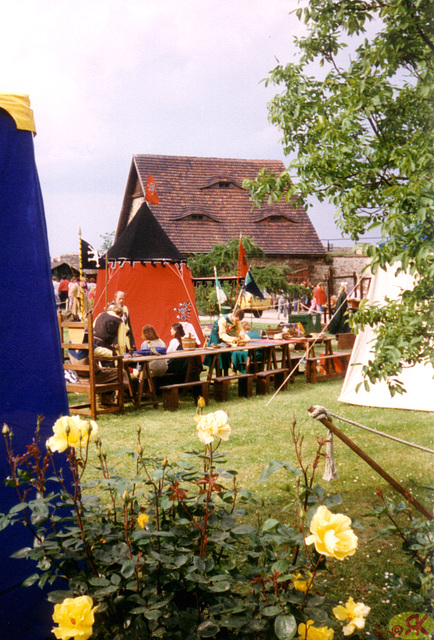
146,265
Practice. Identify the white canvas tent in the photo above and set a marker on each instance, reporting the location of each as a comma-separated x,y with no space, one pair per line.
418,380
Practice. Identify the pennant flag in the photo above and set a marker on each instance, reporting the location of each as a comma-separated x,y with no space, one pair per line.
243,267
151,194
251,287
221,296
90,257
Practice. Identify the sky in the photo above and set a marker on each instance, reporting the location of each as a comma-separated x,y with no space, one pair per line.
108,79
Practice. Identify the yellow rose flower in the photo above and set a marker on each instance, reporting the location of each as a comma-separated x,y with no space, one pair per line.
309,632
355,613
212,425
332,534
71,431
75,617
142,520
301,582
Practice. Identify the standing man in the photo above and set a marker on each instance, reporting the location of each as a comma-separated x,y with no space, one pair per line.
125,336
63,291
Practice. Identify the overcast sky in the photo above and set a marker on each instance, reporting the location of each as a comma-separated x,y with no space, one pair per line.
108,79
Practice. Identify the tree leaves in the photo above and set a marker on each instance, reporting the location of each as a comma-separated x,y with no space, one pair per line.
363,137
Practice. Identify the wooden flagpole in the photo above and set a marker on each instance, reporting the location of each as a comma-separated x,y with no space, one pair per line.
81,271
106,281
238,267
216,290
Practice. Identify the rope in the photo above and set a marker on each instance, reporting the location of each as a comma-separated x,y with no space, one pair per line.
312,345
321,412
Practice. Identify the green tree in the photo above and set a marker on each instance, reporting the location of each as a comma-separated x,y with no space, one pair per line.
108,239
224,257
362,135
272,277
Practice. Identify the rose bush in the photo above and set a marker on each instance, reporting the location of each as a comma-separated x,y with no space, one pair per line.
171,552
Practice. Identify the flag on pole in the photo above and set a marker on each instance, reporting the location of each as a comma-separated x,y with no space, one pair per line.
243,267
151,195
90,257
221,296
251,287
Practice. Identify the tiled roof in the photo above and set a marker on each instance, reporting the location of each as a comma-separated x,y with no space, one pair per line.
202,203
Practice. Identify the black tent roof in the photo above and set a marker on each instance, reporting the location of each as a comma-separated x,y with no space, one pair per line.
144,240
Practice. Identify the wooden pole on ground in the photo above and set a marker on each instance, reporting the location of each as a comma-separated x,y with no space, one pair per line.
398,487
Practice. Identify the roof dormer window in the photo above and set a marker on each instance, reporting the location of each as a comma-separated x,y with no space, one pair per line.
196,215
221,182
275,217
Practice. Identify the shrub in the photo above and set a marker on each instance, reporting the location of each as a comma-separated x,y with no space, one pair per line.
171,552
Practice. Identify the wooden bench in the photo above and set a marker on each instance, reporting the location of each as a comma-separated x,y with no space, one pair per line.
171,393
264,379
222,383
333,371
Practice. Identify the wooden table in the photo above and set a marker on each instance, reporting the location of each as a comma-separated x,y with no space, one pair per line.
334,364
195,358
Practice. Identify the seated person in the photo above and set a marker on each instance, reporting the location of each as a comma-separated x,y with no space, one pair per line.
239,358
153,344
230,329
227,330
177,366
106,327
177,332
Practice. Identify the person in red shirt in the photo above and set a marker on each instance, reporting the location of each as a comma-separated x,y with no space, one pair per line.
319,299
63,290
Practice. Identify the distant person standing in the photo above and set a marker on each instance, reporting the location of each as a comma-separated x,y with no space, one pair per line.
319,299
63,290
56,290
74,297
339,323
280,305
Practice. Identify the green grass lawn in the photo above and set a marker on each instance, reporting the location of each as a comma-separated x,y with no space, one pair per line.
261,431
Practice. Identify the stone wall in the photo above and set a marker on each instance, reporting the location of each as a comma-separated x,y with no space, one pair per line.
340,265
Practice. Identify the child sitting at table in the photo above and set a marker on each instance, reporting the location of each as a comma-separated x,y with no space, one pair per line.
153,345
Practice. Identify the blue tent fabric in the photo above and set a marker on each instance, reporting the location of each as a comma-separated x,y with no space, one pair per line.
31,372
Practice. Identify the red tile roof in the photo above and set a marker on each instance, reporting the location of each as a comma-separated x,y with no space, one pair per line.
202,203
